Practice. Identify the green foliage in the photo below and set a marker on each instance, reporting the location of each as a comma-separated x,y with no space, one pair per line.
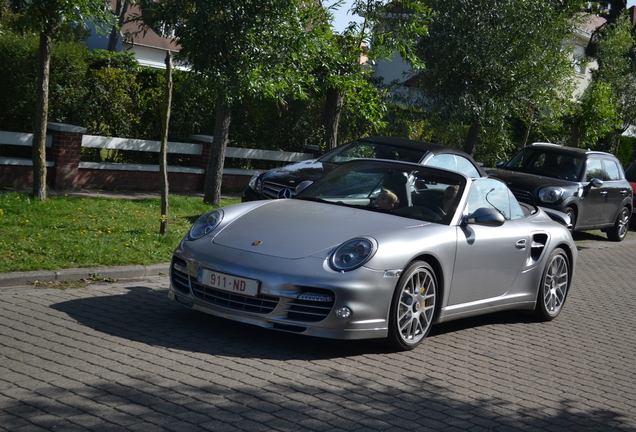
18,66
491,60
596,115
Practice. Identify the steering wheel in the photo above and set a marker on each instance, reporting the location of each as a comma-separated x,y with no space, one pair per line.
433,210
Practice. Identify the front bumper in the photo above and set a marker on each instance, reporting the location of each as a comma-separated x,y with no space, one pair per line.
366,293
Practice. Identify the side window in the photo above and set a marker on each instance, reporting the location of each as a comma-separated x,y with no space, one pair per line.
446,161
466,167
454,163
516,212
611,170
491,193
594,170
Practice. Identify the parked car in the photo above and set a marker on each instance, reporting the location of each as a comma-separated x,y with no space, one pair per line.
282,182
332,263
630,175
587,185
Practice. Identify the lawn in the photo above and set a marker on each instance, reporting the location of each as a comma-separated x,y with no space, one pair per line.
67,232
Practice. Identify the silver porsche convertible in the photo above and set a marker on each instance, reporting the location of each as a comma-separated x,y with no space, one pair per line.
376,249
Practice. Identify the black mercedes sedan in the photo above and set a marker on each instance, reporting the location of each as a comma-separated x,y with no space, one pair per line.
282,182
589,186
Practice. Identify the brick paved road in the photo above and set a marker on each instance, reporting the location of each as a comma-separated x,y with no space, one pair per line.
121,357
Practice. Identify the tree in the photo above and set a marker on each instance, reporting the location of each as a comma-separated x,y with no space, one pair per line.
387,28
121,8
616,73
244,48
47,17
489,60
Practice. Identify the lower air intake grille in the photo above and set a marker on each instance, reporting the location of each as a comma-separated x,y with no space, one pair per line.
311,310
261,304
179,279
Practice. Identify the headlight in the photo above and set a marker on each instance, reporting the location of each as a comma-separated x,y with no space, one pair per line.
550,194
255,183
352,254
205,224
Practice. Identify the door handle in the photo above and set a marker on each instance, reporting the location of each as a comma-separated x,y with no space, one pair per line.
521,244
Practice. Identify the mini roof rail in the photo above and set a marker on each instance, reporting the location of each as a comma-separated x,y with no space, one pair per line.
547,143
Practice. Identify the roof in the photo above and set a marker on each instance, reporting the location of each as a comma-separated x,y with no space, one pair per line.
148,38
556,148
417,145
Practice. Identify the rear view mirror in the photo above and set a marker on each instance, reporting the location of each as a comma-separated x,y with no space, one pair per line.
486,217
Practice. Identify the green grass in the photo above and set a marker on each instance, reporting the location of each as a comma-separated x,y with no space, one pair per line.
68,232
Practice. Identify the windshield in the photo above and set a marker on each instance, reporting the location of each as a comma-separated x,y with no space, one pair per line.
532,160
420,193
371,150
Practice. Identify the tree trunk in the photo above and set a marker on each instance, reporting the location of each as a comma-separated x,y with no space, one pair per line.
331,116
120,12
163,159
214,173
473,136
41,118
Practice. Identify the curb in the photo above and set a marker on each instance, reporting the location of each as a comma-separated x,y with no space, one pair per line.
17,279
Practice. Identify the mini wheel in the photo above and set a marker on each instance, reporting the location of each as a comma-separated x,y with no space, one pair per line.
619,231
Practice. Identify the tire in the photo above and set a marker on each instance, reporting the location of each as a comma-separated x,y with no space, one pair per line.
570,212
554,287
619,231
413,306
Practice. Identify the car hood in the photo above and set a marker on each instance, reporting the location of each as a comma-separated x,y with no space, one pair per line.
295,173
294,229
529,182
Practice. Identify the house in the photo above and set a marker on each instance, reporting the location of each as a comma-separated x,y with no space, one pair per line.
149,48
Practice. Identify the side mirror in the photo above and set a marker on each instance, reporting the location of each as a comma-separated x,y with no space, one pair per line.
303,185
486,217
499,164
596,183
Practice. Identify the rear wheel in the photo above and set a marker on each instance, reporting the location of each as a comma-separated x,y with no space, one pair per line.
413,306
619,231
554,286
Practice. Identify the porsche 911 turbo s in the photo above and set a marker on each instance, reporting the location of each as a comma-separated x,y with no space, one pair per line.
337,262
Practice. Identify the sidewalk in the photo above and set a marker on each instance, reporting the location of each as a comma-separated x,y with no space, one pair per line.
17,279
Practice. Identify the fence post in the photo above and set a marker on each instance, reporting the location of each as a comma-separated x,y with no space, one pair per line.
66,150
206,151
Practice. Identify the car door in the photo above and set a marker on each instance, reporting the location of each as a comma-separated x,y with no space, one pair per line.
617,189
488,259
593,199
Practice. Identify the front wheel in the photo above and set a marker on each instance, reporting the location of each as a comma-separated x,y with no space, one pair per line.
413,306
572,214
619,231
554,286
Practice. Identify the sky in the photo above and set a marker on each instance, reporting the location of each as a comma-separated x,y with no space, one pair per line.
341,16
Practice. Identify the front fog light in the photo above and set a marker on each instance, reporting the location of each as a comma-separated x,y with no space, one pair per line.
343,312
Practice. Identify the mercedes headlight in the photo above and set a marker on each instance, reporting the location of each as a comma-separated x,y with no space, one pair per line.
352,254
255,183
550,194
205,224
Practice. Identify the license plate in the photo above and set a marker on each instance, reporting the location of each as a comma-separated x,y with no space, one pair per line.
229,283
